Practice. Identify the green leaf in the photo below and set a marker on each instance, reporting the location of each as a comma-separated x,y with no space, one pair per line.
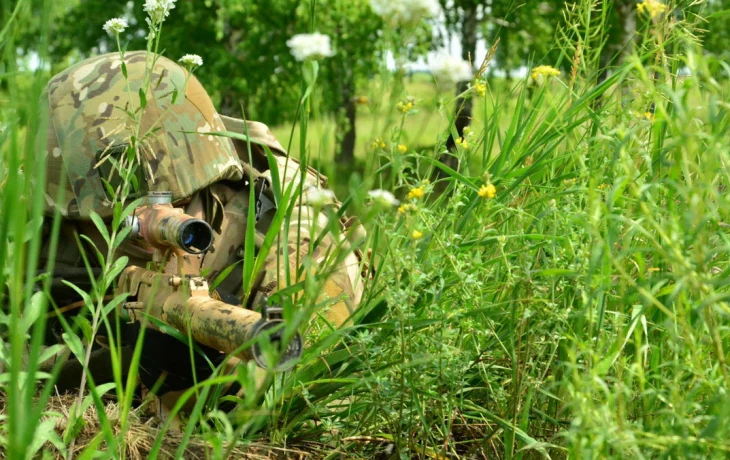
33,311
142,98
74,344
452,172
557,272
92,448
42,434
120,216
223,275
97,253
310,70
100,225
84,326
274,172
84,295
49,352
114,271
122,236
108,187
114,303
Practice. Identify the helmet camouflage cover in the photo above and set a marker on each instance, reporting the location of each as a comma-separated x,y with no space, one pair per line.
88,104
90,124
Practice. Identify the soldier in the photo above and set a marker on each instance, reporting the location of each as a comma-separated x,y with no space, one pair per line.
91,124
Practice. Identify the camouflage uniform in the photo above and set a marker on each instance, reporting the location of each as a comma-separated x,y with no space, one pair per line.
208,175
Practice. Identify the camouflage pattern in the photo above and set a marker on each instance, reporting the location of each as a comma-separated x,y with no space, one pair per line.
88,109
209,177
342,289
189,309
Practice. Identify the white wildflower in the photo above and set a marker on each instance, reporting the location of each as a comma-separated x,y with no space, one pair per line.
451,69
319,198
310,46
115,26
405,11
383,198
191,60
158,10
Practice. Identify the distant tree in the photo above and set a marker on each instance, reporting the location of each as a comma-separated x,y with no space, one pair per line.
717,38
464,18
524,28
243,43
355,32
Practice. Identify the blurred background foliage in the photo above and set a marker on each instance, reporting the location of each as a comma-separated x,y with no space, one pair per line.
248,66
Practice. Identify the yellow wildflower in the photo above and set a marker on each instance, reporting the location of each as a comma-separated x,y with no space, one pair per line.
461,142
487,191
406,208
415,193
406,105
402,148
543,71
480,88
378,143
649,116
603,186
416,234
570,181
362,100
653,7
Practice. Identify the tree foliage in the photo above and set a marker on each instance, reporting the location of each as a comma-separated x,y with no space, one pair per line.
247,62
248,66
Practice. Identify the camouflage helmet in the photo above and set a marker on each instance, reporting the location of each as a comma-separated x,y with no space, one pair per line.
90,127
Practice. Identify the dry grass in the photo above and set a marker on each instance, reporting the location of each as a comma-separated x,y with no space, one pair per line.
142,433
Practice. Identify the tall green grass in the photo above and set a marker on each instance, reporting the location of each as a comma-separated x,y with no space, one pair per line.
581,312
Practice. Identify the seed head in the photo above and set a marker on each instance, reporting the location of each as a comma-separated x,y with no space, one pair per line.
115,26
191,61
313,46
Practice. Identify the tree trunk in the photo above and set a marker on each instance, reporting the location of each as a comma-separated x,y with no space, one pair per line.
462,116
346,124
614,53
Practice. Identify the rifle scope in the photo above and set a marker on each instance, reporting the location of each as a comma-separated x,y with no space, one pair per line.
162,225
184,232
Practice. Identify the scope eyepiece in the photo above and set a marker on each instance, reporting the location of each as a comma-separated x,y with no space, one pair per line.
194,236
161,226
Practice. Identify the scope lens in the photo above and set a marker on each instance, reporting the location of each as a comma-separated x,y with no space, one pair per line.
188,238
196,236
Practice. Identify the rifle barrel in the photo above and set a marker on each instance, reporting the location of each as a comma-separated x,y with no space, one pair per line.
226,327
